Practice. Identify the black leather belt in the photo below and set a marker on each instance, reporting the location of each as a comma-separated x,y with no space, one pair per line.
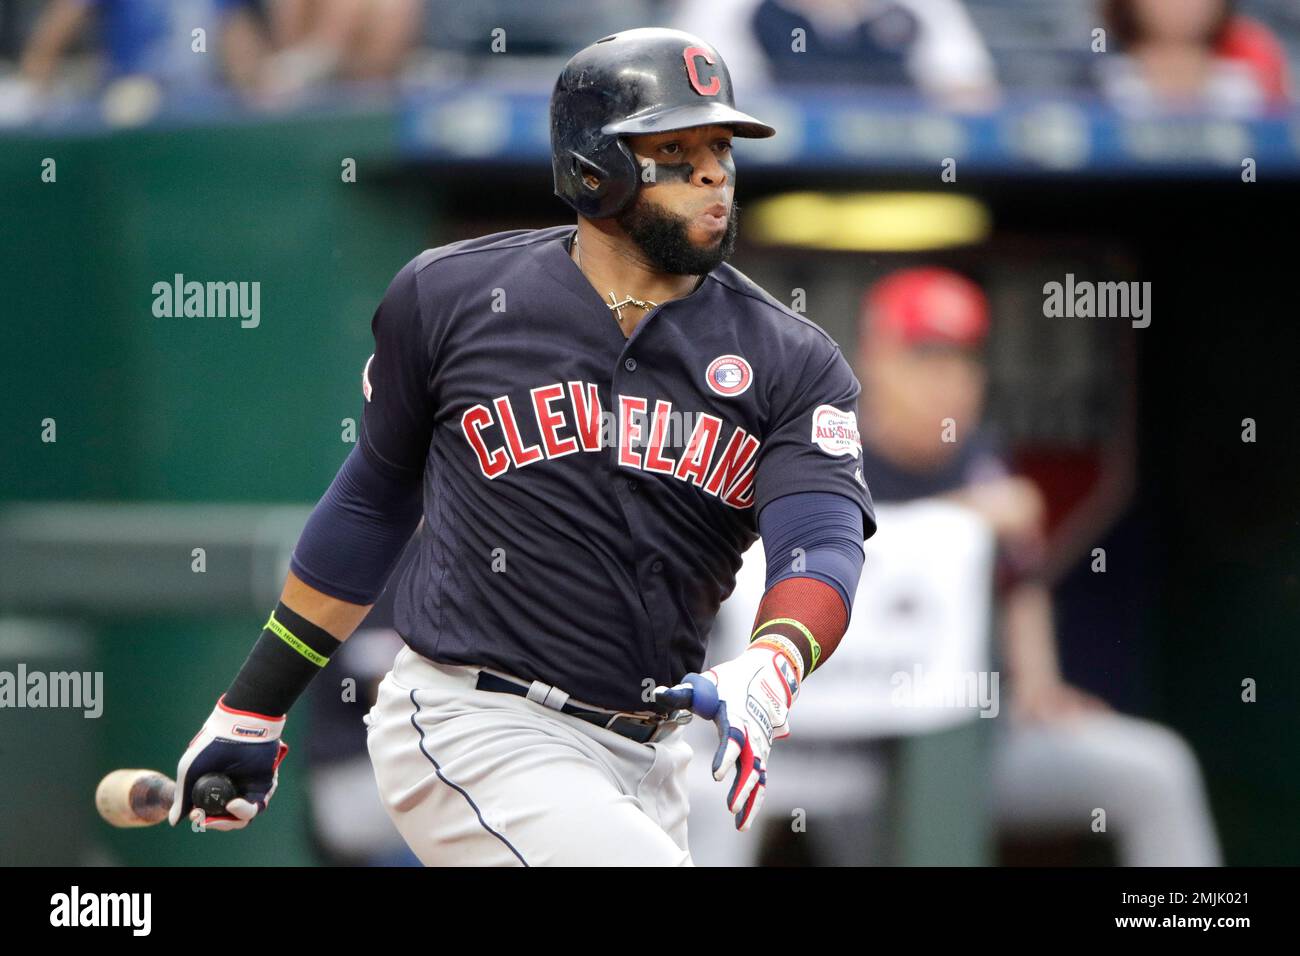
643,730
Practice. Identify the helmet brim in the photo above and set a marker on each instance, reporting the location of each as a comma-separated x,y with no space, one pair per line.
684,117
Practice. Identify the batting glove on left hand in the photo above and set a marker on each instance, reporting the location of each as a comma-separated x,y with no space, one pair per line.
749,699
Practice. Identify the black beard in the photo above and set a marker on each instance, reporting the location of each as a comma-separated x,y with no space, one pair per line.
662,238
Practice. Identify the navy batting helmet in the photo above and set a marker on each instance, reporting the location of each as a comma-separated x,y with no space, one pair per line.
638,81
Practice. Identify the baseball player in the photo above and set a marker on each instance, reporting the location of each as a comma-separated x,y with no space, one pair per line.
594,423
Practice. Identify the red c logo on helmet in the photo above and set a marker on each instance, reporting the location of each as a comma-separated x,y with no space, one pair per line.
689,55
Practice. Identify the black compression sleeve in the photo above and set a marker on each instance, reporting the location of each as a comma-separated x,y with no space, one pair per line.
290,652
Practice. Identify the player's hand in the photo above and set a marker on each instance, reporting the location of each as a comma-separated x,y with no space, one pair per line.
749,699
246,748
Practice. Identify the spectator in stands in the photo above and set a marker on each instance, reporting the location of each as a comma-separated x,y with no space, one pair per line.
320,40
1165,55
151,38
1063,752
931,45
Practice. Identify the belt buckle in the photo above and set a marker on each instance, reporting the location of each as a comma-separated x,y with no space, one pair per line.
678,718
659,727
640,722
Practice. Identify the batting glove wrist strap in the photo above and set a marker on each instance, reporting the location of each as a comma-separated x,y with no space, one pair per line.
785,646
792,631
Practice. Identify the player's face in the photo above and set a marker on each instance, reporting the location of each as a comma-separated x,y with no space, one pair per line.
684,214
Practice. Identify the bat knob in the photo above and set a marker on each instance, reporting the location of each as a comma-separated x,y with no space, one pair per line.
705,698
212,792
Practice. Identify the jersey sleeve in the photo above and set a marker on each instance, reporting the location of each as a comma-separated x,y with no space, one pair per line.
814,444
397,418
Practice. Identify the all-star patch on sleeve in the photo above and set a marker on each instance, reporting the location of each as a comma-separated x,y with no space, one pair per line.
814,444
398,414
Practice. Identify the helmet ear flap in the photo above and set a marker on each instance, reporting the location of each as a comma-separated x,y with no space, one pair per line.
594,189
590,175
628,179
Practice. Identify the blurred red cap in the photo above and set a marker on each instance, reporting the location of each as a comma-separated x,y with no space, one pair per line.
927,305
1259,48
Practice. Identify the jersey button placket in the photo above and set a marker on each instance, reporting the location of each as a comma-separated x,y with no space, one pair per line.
633,487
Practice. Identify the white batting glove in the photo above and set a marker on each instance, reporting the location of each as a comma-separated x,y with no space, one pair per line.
749,699
247,748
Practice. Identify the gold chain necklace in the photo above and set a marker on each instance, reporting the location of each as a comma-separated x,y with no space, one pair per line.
615,305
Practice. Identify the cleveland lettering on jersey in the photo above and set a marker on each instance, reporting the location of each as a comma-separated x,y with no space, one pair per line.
575,408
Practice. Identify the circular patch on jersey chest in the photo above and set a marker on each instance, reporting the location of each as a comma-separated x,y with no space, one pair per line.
729,375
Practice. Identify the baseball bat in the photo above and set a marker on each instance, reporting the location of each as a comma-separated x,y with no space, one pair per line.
141,798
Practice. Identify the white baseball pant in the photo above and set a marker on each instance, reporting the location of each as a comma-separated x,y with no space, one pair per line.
481,778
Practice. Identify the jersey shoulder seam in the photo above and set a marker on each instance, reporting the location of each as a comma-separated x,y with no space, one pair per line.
445,252
775,306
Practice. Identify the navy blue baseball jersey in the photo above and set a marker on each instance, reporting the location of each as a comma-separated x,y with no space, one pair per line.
588,496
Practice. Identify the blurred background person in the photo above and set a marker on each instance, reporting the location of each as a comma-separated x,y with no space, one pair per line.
930,45
321,40
1063,752
1186,55
1058,752
271,51
150,38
